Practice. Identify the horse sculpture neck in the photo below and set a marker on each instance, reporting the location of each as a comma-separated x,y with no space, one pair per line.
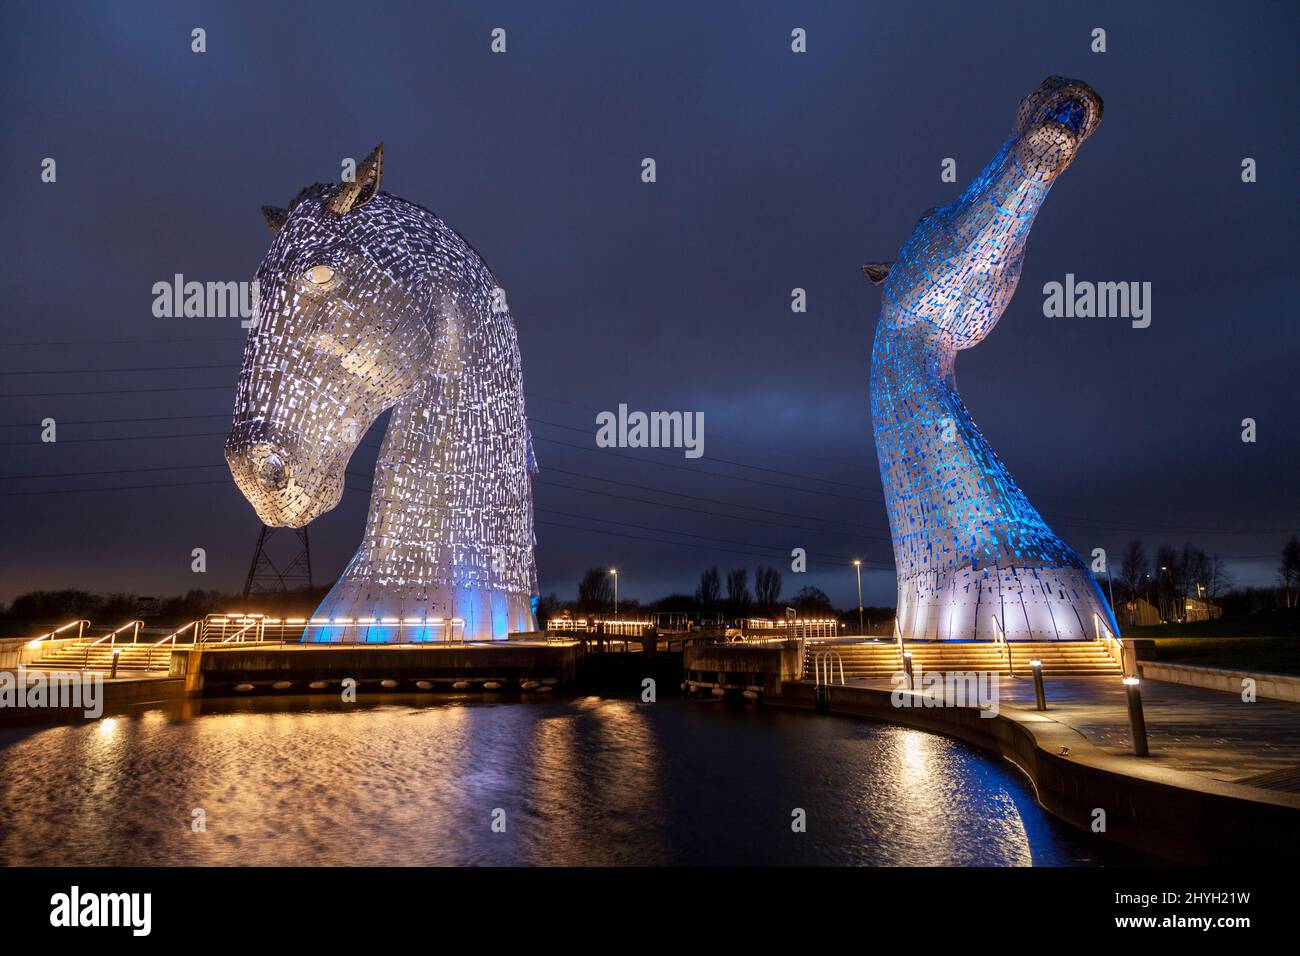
975,560
449,535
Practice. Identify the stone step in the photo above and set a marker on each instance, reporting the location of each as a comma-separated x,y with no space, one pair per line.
1073,660
973,657
968,662
106,657
100,657
917,655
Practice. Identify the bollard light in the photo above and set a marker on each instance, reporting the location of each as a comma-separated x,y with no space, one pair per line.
907,666
113,673
1039,698
1135,719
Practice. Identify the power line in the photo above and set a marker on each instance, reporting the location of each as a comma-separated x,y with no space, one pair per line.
77,441
119,391
679,544
597,451
771,547
115,421
545,398
119,471
677,494
81,491
224,338
712,458
713,514
723,436
714,501
189,484
697,472
1096,524
96,371
226,482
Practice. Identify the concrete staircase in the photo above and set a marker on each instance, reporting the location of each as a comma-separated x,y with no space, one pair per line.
132,657
874,661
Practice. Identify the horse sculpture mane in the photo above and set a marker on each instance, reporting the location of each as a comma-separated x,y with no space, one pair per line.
370,303
975,560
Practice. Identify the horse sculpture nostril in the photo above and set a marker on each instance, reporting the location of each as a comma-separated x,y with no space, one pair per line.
1070,113
271,475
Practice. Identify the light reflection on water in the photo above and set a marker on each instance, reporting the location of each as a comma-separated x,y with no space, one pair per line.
583,781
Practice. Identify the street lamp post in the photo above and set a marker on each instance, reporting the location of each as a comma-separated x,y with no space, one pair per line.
857,566
1165,568
1040,700
614,571
1136,719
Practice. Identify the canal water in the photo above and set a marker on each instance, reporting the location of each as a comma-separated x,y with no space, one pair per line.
423,781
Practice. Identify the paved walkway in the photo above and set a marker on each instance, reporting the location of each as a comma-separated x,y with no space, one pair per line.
1188,728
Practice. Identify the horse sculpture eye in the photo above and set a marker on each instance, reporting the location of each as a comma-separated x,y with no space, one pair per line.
319,275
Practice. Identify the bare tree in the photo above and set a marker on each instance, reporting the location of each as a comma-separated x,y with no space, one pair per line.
1288,570
1194,565
1134,568
738,597
811,600
1217,578
709,593
767,587
595,591
1167,573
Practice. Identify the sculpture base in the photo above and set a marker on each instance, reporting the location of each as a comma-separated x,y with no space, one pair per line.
365,613
1024,603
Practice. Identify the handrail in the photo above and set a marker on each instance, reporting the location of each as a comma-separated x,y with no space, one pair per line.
59,630
179,631
831,658
239,633
898,633
111,637
221,622
148,663
1001,637
1097,626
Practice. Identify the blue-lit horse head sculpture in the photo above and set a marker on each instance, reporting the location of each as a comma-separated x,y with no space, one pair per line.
975,560
369,303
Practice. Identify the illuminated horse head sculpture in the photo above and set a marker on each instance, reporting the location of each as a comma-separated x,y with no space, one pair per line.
975,560
368,303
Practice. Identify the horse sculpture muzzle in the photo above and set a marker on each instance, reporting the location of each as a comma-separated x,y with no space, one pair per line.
1052,123
274,477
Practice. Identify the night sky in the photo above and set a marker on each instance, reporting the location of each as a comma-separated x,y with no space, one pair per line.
775,171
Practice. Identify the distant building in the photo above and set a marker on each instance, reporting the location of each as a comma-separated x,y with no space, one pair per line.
1139,613
1199,609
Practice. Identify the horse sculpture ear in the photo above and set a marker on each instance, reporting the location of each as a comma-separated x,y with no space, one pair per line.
877,272
275,217
363,188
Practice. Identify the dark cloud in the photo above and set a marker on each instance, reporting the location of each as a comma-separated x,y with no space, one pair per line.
775,171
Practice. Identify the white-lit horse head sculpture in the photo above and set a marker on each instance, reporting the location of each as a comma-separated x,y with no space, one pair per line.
369,303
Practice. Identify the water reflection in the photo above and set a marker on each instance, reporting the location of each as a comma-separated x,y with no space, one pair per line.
416,780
